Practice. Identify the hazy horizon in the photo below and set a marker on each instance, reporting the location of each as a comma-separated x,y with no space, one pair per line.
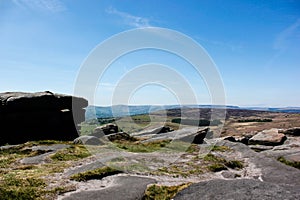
254,45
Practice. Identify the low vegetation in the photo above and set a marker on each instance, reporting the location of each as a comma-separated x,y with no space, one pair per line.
219,164
289,163
254,120
142,147
94,174
196,122
74,152
160,192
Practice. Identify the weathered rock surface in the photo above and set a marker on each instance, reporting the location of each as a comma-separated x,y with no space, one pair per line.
268,137
190,135
39,116
243,189
121,188
158,130
88,140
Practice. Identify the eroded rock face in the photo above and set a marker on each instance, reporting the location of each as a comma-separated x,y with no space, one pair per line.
39,116
268,137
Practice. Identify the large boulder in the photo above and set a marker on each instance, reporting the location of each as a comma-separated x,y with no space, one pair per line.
39,116
268,137
196,138
244,189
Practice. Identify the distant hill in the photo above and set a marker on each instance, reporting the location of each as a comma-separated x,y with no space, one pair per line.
93,112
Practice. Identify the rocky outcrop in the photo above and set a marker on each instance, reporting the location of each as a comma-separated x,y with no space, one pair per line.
268,137
39,116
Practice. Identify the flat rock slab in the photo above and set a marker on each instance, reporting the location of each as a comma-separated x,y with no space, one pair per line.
123,188
242,189
84,168
268,137
39,159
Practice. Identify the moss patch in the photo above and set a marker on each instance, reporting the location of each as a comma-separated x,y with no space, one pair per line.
94,174
74,152
142,147
157,192
289,163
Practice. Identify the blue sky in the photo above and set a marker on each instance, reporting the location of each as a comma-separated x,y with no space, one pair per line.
254,44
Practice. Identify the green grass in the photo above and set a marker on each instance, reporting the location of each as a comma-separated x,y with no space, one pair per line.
142,147
160,192
14,187
221,148
289,163
94,174
219,164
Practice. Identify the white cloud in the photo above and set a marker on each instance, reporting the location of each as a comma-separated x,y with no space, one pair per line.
129,19
41,5
282,40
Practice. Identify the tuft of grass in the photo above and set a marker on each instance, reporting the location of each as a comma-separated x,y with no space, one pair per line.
74,152
234,164
216,167
219,164
142,147
221,148
94,174
161,192
289,163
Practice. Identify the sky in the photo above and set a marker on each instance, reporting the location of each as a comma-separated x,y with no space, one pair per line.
255,46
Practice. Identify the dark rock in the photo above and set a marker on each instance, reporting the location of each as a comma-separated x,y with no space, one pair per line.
105,130
268,137
39,116
230,138
196,138
292,131
88,140
120,136
243,189
123,188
